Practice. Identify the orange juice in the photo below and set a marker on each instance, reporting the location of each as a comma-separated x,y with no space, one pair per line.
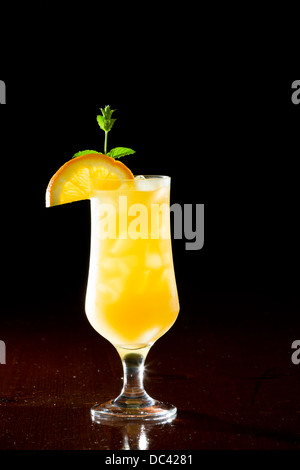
131,295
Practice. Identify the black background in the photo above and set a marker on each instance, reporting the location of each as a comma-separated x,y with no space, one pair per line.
204,103
227,142
208,106
235,152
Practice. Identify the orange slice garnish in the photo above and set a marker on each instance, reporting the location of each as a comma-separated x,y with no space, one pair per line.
80,177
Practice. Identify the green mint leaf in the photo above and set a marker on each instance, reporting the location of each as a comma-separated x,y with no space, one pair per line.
105,121
100,120
119,152
84,152
107,112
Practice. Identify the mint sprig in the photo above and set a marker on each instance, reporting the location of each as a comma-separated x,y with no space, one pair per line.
106,123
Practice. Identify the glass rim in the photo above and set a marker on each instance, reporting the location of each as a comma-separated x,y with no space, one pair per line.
153,177
147,177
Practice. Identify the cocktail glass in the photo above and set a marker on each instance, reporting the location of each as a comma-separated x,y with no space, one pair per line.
131,297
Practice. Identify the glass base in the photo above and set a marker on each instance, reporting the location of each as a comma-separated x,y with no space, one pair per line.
154,412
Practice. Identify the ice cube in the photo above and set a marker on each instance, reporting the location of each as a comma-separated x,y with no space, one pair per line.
119,266
153,261
122,247
142,183
151,184
109,291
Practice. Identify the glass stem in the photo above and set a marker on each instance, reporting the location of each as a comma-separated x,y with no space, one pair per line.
133,394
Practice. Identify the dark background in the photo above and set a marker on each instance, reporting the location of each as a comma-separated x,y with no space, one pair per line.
211,111
233,148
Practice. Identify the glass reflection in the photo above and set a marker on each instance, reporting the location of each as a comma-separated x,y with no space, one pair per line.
134,435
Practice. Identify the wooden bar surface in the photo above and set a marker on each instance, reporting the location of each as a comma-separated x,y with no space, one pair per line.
228,370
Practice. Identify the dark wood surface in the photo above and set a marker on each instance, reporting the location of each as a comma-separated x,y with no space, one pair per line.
228,369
